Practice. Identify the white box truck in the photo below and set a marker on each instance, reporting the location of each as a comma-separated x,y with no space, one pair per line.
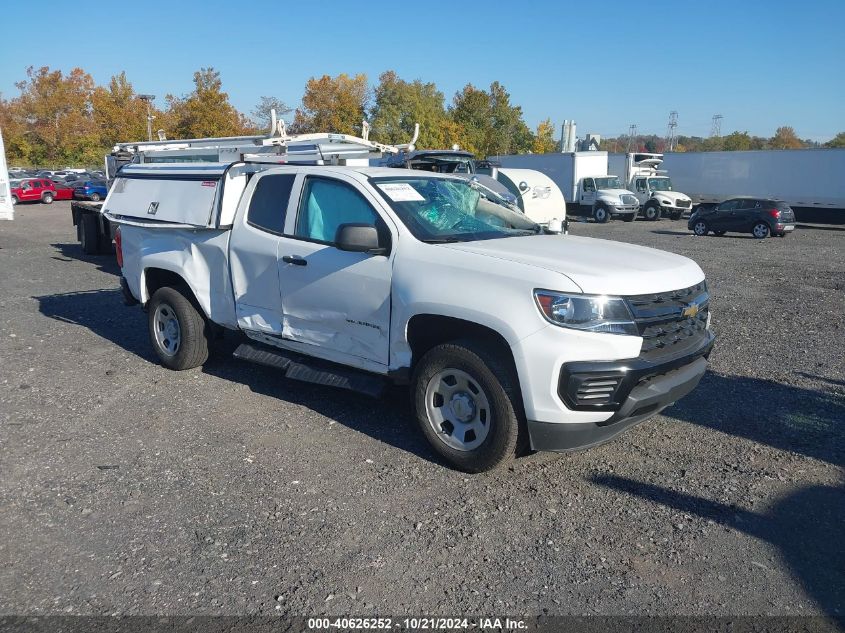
583,178
652,186
811,181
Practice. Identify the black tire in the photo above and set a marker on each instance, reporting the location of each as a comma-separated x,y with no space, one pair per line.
601,214
700,228
651,212
629,217
761,231
95,197
507,435
47,198
719,233
194,333
89,233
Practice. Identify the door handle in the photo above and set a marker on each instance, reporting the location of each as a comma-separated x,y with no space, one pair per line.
293,259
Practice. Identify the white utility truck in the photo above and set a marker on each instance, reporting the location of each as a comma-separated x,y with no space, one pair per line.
584,180
651,185
810,181
356,277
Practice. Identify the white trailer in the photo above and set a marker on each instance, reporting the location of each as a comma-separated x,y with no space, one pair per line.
811,181
582,177
652,186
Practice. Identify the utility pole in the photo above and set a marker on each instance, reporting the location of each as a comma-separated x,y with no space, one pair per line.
716,126
670,134
632,134
149,100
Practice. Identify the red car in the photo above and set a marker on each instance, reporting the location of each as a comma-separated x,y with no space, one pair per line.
39,190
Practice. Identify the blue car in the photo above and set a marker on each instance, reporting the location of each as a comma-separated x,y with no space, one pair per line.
91,190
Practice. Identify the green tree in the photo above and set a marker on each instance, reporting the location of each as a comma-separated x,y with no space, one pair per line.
398,105
736,141
333,104
119,115
260,115
785,138
544,142
836,141
471,111
206,111
491,123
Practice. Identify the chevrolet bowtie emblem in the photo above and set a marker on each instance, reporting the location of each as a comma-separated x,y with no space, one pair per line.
690,310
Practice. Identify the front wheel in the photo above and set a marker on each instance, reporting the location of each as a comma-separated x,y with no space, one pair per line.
601,215
14,200
651,212
95,197
47,198
468,407
700,228
761,230
178,330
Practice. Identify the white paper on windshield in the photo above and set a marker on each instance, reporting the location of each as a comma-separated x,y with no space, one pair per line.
401,192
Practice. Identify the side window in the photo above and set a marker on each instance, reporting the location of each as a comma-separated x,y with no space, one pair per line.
326,204
641,184
730,205
270,202
589,185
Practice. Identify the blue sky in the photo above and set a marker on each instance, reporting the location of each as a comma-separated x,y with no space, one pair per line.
605,64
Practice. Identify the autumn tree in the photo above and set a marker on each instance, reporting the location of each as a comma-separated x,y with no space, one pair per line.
836,141
260,115
544,142
785,138
333,104
206,111
399,104
119,114
492,124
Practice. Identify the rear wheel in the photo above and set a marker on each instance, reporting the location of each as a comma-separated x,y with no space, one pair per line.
700,228
47,198
89,233
15,200
95,197
178,330
601,215
761,230
468,406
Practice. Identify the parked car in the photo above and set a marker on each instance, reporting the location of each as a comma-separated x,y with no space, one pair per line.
94,190
39,190
758,216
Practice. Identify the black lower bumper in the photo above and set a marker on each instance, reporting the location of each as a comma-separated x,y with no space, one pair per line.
649,396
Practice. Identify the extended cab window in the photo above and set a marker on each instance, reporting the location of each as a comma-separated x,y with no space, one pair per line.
326,204
269,202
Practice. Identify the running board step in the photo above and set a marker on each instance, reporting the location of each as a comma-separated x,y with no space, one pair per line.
299,367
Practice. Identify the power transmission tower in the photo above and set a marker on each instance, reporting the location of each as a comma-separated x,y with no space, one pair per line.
670,133
632,134
716,127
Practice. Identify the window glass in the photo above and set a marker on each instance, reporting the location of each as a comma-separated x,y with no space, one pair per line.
588,185
326,204
727,206
269,202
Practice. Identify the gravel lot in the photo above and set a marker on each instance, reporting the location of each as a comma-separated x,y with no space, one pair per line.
129,489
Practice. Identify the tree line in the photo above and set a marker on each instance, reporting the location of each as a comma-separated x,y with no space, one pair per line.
63,119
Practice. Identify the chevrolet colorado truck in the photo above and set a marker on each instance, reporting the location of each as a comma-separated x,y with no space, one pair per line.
509,339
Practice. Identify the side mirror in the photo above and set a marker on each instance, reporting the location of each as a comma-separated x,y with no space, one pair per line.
359,238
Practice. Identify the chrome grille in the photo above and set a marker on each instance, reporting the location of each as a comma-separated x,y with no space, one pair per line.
671,322
684,203
629,199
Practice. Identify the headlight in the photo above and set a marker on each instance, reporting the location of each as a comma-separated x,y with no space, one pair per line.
586,312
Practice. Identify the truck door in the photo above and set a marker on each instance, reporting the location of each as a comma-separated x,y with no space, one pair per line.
336,301
588,192
253,254
641,190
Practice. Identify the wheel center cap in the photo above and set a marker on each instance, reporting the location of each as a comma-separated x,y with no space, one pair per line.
463,406
170,329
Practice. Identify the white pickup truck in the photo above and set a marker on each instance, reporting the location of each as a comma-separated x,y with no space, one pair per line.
356,277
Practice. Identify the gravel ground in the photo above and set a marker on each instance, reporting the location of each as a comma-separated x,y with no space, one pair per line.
126,488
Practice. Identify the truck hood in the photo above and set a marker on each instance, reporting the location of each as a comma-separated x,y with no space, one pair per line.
596,266
614,193
674,196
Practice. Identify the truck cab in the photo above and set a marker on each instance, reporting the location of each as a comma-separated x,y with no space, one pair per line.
606,197
652,186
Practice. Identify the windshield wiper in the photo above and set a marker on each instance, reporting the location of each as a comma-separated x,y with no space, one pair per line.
442,240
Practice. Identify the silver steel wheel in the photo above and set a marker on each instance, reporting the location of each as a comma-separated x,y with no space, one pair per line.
168,333
699,228
760,230
457,409
601,214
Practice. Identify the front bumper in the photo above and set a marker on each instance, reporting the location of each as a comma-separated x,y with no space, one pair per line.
624,210
644,390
